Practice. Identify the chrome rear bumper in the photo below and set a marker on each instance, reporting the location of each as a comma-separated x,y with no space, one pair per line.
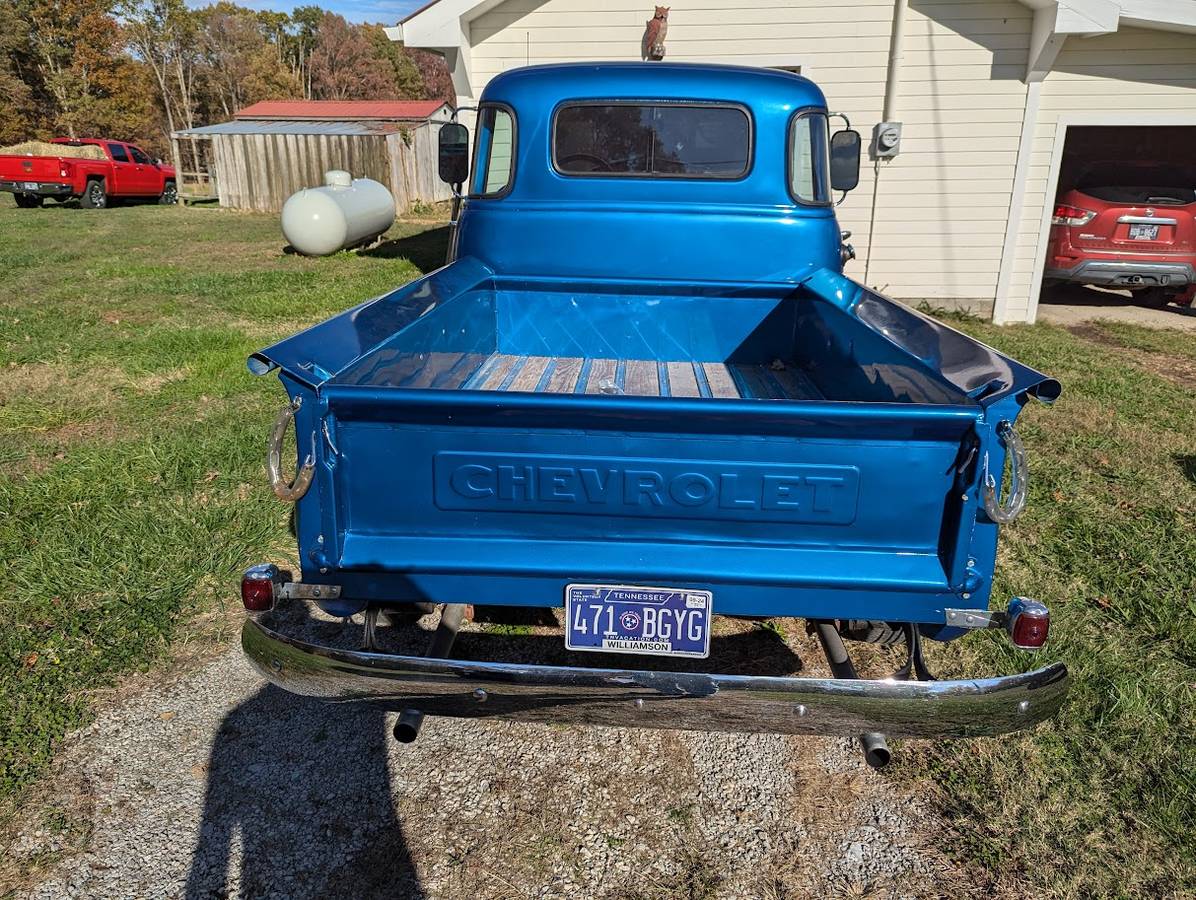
648,699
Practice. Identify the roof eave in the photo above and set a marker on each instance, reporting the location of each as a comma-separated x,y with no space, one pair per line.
1091,17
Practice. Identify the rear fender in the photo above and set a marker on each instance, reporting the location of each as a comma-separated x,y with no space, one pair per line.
984,374
315,355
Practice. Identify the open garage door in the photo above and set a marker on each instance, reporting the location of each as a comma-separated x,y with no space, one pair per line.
1123,231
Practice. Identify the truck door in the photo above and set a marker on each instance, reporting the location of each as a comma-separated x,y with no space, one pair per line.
124,172
147,172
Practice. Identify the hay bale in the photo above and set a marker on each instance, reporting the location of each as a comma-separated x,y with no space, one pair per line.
45,148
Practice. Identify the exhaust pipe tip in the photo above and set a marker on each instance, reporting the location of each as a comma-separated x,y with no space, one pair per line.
407,727
406,730
876,749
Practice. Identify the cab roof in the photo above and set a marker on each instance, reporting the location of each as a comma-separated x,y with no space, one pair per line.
543,86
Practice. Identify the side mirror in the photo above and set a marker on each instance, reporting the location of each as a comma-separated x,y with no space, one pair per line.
454,153
845,160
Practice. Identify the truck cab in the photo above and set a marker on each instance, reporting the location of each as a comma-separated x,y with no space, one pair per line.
643,396
716,160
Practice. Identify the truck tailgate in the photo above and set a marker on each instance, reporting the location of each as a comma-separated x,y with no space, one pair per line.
777,512
31,168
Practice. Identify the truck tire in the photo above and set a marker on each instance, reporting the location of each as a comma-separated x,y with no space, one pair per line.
170,194
95,195
28,201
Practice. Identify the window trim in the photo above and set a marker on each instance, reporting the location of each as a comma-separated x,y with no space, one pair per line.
477,138
790,133
657,176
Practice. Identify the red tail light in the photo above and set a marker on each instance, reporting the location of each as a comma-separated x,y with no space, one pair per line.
1028,623
1071,215
259,586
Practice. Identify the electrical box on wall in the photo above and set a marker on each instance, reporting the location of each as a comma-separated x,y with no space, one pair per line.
886,140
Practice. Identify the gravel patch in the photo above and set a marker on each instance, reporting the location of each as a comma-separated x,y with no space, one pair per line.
216,785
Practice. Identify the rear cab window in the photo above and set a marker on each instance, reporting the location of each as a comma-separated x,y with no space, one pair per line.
652,140
118,153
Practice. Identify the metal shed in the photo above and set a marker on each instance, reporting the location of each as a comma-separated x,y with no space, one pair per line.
258,163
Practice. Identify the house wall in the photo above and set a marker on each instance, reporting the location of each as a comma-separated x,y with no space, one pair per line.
843,47
929,224
941,205
1133,73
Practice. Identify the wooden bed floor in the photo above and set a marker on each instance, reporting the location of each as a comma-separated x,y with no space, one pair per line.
592,375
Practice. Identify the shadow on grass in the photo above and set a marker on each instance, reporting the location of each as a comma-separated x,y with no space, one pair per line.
1102,298
1187,465
426,249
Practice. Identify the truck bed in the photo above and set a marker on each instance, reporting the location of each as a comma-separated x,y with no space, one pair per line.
740,342
499,439
593,375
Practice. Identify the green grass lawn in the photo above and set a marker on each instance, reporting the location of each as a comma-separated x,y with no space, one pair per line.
132,493
132,437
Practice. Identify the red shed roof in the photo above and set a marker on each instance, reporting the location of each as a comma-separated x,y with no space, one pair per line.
341,109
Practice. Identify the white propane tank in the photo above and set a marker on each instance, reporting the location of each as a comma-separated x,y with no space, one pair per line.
345,212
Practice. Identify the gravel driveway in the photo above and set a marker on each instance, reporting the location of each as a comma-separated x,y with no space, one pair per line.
215,784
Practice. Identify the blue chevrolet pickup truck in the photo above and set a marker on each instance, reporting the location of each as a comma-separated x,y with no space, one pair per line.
643,395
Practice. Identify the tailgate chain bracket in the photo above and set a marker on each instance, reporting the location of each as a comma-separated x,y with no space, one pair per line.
297,487
1004,511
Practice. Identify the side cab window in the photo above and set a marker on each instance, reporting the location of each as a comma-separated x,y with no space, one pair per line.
494,152
118,153
138,156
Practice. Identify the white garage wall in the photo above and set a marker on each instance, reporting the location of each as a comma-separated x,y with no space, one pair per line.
942,204
1133,72
844,47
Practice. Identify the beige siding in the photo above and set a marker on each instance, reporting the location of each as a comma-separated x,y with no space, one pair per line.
843,46
942,204
1134,71
941,207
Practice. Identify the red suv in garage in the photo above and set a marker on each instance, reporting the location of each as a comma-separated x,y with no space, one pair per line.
1127,225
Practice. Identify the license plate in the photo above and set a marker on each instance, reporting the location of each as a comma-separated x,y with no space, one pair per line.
652,621
1144,232
30,185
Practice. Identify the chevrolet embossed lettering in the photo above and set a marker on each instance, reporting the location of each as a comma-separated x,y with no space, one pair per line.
600,485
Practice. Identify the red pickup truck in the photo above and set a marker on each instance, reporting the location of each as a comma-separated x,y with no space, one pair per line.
125,171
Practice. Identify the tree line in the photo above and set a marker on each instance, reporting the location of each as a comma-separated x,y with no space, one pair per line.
137,70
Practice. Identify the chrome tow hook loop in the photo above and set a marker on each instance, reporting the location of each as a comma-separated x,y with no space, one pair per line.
1005,511
296,488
